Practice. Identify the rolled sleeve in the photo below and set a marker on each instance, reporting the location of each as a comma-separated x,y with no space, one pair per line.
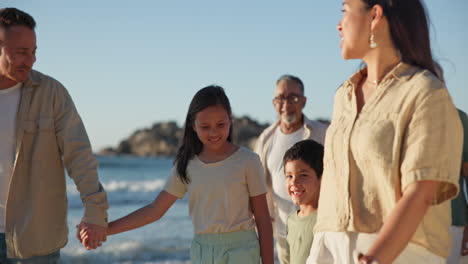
432,145
95,208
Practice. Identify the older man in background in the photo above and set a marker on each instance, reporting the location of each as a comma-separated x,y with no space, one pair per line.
292,126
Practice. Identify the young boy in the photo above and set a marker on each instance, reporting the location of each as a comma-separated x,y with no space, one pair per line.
303,166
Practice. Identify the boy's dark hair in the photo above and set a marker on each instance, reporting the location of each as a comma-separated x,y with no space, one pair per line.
14,17
310,152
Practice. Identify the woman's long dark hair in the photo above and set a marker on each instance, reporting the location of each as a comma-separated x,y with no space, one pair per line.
191,145
408,22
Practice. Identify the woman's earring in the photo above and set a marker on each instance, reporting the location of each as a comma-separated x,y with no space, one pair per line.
372,43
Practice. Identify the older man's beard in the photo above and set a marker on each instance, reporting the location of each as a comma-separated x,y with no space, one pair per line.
289,119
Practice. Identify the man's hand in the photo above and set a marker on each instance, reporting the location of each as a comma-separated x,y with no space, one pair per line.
363,259
90,235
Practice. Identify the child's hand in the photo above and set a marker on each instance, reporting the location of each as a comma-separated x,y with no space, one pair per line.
91,236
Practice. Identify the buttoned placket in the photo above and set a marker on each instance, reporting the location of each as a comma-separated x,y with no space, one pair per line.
352,100
346,142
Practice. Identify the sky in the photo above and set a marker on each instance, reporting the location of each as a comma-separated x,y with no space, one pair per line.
129,64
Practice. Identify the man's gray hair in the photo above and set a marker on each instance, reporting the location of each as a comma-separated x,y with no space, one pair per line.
291,78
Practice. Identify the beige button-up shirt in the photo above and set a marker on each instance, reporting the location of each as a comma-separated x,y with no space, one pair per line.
408,131
50,136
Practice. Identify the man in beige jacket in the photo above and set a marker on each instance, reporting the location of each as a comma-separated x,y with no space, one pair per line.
41,133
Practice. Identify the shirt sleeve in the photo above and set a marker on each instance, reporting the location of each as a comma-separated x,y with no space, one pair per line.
256,181
432,144
78,157
174,184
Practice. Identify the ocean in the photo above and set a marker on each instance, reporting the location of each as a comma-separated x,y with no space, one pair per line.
131,183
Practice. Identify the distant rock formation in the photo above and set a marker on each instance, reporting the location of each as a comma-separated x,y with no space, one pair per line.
163,138
246,131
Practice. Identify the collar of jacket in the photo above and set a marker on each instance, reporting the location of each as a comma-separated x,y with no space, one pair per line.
30,84
32,81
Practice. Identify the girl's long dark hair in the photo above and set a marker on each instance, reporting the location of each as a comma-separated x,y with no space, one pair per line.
408,22
209,96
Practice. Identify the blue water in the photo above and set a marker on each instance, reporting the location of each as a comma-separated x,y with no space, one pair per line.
131,183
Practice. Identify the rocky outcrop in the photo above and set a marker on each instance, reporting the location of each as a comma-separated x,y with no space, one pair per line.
246,131
163,138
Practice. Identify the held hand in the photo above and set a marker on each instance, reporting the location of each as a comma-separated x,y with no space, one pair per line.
90,235
363,259
83,235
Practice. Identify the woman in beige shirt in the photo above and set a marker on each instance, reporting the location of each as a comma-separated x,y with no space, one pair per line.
392,151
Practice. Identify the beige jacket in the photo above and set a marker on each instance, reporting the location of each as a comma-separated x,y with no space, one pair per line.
50,136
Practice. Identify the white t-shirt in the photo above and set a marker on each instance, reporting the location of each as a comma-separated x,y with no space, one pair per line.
219,192
275,165
9,100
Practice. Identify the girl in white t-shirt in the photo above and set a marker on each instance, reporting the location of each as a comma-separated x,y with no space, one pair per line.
225,184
